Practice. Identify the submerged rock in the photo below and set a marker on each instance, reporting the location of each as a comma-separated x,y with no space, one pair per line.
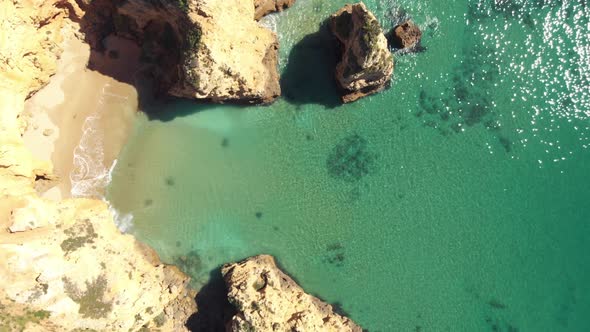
367,63
264,7
269,300
406,35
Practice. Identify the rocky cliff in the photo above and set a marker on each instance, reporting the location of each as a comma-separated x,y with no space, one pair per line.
269,300
367,63
64,265
203,49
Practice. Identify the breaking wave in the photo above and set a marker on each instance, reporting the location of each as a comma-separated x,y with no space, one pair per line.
90,173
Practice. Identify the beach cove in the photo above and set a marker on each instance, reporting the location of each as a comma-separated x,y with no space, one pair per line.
466,209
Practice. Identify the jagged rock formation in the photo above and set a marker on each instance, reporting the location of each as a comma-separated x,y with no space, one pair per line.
202,49
406,35
264,7
231,56
269,300
367,63
64,265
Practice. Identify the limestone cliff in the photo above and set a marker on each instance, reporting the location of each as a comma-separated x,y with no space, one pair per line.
203,49
367,63
231,57
64,265
269,300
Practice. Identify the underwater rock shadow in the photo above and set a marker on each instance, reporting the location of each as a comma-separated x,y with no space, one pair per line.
308,77
214,309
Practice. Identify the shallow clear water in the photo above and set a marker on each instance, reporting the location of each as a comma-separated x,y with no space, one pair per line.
456,200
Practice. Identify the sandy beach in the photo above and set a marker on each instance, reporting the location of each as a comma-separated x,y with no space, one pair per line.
81,119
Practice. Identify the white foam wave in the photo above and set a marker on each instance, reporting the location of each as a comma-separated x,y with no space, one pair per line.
270,22
123,221
90,175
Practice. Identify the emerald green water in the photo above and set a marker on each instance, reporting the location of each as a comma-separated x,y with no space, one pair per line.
456,200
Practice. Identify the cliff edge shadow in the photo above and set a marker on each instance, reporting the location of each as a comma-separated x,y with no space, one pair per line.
308,77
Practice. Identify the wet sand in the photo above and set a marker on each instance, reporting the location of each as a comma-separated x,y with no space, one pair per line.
81,119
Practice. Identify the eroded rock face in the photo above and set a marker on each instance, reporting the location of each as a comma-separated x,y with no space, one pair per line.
64,265
205,49
269,300
367,63
264,7
406,35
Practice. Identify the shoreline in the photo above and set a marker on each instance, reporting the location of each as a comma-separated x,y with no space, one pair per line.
68,120
64,261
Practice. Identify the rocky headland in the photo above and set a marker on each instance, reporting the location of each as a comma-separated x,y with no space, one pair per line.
207,49
367,64
267,299
64,264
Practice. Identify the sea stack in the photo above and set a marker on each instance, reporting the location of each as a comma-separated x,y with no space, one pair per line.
406,35
367,64
269,300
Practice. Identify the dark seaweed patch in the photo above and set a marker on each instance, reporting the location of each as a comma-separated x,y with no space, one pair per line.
467,102
148,202
496,304
350,159
258,215
335,254
224,142
506,143
519,10
334,246
170,181
498,325
190,263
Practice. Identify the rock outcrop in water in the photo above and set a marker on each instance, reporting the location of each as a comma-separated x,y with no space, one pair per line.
269,300
406,35
199,49
367,63
264,7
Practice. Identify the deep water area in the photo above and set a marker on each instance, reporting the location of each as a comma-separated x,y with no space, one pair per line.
455,200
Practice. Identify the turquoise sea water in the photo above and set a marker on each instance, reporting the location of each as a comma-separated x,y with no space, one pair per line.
456,200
